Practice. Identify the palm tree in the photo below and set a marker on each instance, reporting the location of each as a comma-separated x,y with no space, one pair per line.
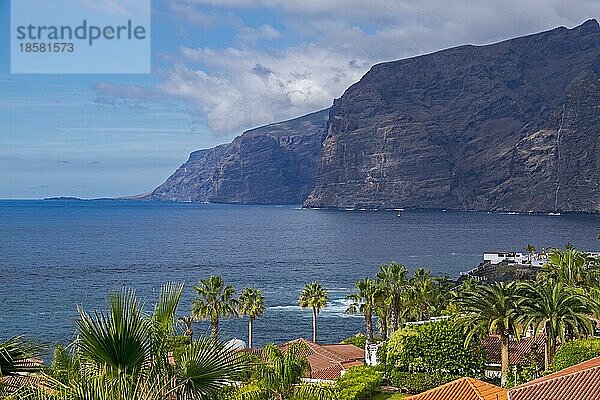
565,266
278,376
252,304
493,309
214,301
422,293
116,344
188,322
364,301
556,309
122,354
393,277
205,368
571,267
383,309
313,296
530,250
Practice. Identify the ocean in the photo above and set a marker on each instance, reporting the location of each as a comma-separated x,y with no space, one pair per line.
56,255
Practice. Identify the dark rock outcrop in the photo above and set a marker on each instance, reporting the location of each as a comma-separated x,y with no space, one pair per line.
512,126
273,164
509,126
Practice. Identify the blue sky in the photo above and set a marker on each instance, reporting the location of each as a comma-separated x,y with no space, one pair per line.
218,68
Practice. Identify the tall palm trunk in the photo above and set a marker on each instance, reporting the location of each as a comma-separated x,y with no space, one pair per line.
546,355
369,326
214,329
250,331
315,324
504,359
384,327
551,346
394,314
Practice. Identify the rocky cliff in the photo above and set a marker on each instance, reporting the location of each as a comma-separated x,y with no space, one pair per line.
273,164
509,126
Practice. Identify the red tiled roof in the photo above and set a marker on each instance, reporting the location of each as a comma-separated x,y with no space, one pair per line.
348,351
327,361
579,382
518,350
463,389
13,383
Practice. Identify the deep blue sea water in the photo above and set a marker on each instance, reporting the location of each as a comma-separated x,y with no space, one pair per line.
55,255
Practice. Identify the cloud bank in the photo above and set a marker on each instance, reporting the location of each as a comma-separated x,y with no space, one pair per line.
312,50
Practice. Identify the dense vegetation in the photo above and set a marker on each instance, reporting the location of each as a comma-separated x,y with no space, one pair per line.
128,352
434,347
358,383
562,303
574,352
125,353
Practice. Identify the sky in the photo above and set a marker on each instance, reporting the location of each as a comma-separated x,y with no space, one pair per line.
220,67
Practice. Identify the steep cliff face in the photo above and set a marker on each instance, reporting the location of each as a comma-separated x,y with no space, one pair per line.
273,164
509,126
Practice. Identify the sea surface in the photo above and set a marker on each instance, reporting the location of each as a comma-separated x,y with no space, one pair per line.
56,255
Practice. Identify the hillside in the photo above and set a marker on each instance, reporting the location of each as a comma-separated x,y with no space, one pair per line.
511,126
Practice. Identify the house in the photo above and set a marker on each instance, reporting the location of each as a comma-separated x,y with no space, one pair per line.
520,352
496,257
463,389
327,361
12,383
579,382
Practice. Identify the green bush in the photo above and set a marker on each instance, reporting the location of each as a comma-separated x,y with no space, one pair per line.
418,382
177,345
435,347
358,383
358,341
575,352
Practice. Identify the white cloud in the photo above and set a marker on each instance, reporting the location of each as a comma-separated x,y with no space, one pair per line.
112,7
194,15
251,87
250,35
334,44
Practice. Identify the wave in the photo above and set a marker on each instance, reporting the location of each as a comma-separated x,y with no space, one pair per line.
336,307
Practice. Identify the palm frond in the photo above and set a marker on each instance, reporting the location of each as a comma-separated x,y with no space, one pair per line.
163,316
205,368
14,353
117,342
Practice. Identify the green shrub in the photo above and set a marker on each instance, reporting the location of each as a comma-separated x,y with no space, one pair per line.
358,341
575,352
382,353
358,383
418,382
177,345
435,347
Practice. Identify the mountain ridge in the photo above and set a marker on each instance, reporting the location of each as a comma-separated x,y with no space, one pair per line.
469,128
271,164
510,126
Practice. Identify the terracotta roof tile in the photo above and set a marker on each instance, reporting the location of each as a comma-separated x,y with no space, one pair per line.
13,383
579,382
518,350
326,361
463,389
347,351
